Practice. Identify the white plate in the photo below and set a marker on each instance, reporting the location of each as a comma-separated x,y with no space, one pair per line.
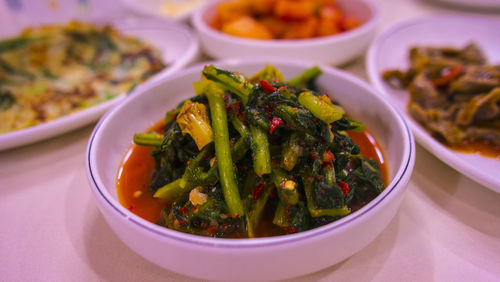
179,47
486,5
390,51
157,8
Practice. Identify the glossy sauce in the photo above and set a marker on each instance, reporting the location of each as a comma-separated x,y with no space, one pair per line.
134,178
371,149
481,148
137,167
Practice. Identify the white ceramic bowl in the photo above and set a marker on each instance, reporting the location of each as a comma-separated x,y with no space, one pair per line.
259,258
334,50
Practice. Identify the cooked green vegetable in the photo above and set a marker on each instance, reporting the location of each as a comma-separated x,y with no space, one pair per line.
223,150
321,108
454,95
278,152
193,119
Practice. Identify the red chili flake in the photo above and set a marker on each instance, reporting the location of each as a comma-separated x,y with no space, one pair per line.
188,162
268,108
319,178
226,98
292,229
344,186
231,143
237,216
268,88
183,210
174,115
257,191
328,156
227,107
181,223
275,123
211,228
273,193
448,76
312,155
283,88
130,207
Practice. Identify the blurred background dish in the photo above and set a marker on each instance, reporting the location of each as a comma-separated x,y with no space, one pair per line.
390,51
478,5
177,45
336,49
179,10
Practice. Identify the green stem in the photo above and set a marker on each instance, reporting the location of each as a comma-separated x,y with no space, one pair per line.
230,81
260,149
223,150
148,139
305,77
255,214
291,152
321,109
189,180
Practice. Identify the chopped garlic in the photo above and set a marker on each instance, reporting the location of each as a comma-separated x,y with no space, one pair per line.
137,194
289,185
212,161
196,197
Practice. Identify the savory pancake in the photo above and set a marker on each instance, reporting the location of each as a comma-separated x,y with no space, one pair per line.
51,71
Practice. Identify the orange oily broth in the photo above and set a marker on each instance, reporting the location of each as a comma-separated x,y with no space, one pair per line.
134,178
371,149
137,167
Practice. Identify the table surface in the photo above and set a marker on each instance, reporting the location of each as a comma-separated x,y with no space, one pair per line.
447,229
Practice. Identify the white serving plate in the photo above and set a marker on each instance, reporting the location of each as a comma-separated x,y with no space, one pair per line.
179,47
390,51
255,259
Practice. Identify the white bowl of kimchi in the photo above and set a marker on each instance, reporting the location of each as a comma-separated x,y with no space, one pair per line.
336,49
264,258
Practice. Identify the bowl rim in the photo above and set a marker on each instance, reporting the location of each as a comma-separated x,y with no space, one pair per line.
402,174
204,29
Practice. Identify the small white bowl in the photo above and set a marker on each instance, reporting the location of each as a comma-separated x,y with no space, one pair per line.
278,257
333,50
